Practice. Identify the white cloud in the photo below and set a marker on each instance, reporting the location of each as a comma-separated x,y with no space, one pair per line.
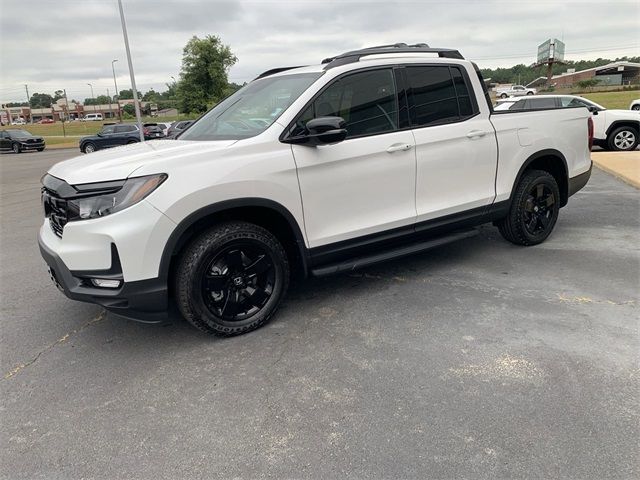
52,44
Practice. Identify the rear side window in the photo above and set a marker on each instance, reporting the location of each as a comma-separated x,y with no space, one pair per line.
437,95
519,105
541,102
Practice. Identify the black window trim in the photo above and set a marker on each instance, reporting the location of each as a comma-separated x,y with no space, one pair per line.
472,95
286,132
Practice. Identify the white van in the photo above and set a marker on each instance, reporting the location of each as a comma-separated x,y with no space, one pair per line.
93,117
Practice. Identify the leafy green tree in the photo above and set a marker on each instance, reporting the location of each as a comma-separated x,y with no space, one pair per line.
129,109
128,95
57,95
40,100
99,100
204,74
589,83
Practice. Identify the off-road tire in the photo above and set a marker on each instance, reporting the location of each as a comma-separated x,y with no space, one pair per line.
194,261
513,227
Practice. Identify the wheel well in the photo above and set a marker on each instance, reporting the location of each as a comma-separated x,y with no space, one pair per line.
265,217
623,123
557,168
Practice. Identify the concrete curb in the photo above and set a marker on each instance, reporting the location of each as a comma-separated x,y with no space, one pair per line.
622,165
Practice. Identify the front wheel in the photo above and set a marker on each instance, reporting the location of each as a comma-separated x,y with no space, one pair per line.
504,95
16,148
623,139
534,209
635,107
529,93
231,279
89,148
41,149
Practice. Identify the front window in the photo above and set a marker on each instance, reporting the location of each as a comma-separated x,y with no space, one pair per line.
107,129
252,109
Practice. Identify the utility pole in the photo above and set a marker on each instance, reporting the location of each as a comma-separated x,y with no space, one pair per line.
136,104
117,94
110,111
29,104
66,103
92,97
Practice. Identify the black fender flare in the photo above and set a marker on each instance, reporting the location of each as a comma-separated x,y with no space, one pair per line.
623,123
549,152
190,220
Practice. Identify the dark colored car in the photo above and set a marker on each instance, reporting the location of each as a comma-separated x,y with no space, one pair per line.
19,141
178,127
114,135
153,130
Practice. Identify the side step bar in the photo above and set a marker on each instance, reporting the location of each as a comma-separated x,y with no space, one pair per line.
398,252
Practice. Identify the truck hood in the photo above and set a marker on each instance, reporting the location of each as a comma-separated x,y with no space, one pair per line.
121,162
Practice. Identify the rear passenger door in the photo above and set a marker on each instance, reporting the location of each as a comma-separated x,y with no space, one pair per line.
456,147
365,184
122,134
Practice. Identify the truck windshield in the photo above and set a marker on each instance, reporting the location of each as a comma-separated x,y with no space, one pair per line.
252,109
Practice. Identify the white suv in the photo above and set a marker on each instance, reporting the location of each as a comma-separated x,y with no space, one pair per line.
369,156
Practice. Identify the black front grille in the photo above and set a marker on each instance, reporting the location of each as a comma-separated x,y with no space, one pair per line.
55,208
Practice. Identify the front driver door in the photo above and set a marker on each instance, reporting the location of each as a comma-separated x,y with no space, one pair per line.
366,183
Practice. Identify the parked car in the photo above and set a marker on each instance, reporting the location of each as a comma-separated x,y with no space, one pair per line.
307,170
165,127
110,136
46,120
635,105
19,141
515,91
177,127
18,121
92,117
153,130
613,129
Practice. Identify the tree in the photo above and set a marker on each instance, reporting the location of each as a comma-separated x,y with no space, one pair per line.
57,95
129,109
99,100
128,95
589,83
204,74
41,100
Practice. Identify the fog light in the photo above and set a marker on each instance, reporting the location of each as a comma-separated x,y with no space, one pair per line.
105,283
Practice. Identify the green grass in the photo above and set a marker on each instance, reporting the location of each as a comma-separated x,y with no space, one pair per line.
618,100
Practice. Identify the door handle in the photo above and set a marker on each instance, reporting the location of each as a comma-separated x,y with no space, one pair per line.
476,133
399,147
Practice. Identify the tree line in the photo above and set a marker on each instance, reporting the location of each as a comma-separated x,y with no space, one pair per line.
523,74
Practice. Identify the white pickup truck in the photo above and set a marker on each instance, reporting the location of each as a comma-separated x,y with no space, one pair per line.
515,91
371,155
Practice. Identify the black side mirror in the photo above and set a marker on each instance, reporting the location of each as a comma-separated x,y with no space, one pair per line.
593,110
321,131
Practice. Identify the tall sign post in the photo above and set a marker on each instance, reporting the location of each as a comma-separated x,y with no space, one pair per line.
549,53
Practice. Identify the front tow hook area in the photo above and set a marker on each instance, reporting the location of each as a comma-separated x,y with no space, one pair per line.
52,275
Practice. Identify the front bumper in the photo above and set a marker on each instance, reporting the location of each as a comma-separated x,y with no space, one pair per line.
32,146
143,300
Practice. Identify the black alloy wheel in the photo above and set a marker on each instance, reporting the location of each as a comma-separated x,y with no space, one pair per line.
238,281
534,209
538,209
231,278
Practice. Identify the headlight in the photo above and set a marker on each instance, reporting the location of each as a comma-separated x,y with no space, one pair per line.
94,206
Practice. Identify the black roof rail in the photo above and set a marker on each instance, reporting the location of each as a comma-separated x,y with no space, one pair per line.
355,55
276,70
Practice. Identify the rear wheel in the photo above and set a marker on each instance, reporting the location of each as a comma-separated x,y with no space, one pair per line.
16,148
131,141
529,93
623,139
231,279
534,209
40,149
504,95
89,147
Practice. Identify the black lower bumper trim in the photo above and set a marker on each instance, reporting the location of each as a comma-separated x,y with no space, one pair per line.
578,182
144,300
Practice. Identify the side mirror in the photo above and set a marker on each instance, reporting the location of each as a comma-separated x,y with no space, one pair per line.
99,134
320,131
593,110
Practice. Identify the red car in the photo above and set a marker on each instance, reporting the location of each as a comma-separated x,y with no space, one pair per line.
46,120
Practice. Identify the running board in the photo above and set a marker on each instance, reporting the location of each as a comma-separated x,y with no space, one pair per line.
403,251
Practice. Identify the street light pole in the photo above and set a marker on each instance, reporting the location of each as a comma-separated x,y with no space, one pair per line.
133,79
92,97
113,69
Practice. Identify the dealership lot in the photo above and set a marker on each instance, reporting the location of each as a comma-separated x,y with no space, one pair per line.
479,359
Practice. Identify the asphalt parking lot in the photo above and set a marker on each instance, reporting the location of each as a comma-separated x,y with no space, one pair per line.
476,360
